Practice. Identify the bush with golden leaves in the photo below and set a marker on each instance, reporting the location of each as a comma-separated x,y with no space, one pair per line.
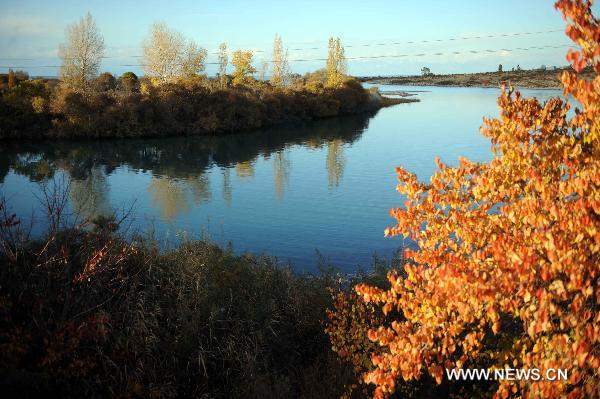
347,326
512,242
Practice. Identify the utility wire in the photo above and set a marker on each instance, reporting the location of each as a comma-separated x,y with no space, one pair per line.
387,43
466,52
438,40
395,43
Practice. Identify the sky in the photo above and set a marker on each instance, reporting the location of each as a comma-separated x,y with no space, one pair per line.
31,31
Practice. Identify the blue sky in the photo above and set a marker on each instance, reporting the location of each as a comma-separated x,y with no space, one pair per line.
34,29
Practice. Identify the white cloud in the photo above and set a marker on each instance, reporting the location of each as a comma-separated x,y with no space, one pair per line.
28,25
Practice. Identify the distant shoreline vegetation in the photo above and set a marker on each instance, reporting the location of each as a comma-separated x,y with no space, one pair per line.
130,107
540,78
174,97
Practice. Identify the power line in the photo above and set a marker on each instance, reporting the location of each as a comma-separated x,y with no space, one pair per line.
439,53
386,43
458,38
438,40
451,53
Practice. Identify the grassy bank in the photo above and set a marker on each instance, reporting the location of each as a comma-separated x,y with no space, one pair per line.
534,78
85,312
128,107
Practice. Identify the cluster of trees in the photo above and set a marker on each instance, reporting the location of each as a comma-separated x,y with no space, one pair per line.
174,96
505,273
12,78
129,106
168,56
541,68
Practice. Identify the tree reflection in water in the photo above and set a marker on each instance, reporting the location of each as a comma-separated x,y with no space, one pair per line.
169,197
226,190
281,172
244,170
335,162
90,196
179,166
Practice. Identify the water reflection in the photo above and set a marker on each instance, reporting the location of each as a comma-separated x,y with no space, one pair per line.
335,162
245,170
178,166
90,196
169,197
200,187
226,188
281,172
174,197
286,191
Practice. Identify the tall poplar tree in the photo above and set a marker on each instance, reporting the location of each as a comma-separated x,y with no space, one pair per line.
242,61
280,74
168,55
12,81
336,63
82,52
223,59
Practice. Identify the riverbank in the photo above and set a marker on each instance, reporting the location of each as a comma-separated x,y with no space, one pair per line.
534,79
85,312
45,109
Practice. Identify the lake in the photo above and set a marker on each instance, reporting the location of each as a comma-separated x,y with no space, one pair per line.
306,194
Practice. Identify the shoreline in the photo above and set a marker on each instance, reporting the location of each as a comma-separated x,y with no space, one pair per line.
463,86
382,102
44,111
541,78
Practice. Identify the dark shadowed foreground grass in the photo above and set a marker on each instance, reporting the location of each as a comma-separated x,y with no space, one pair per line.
87,313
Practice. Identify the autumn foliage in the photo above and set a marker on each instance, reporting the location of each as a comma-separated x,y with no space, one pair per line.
507,249
348,324
87,312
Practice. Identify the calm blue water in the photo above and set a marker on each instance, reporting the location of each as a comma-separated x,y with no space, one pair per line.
287,191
